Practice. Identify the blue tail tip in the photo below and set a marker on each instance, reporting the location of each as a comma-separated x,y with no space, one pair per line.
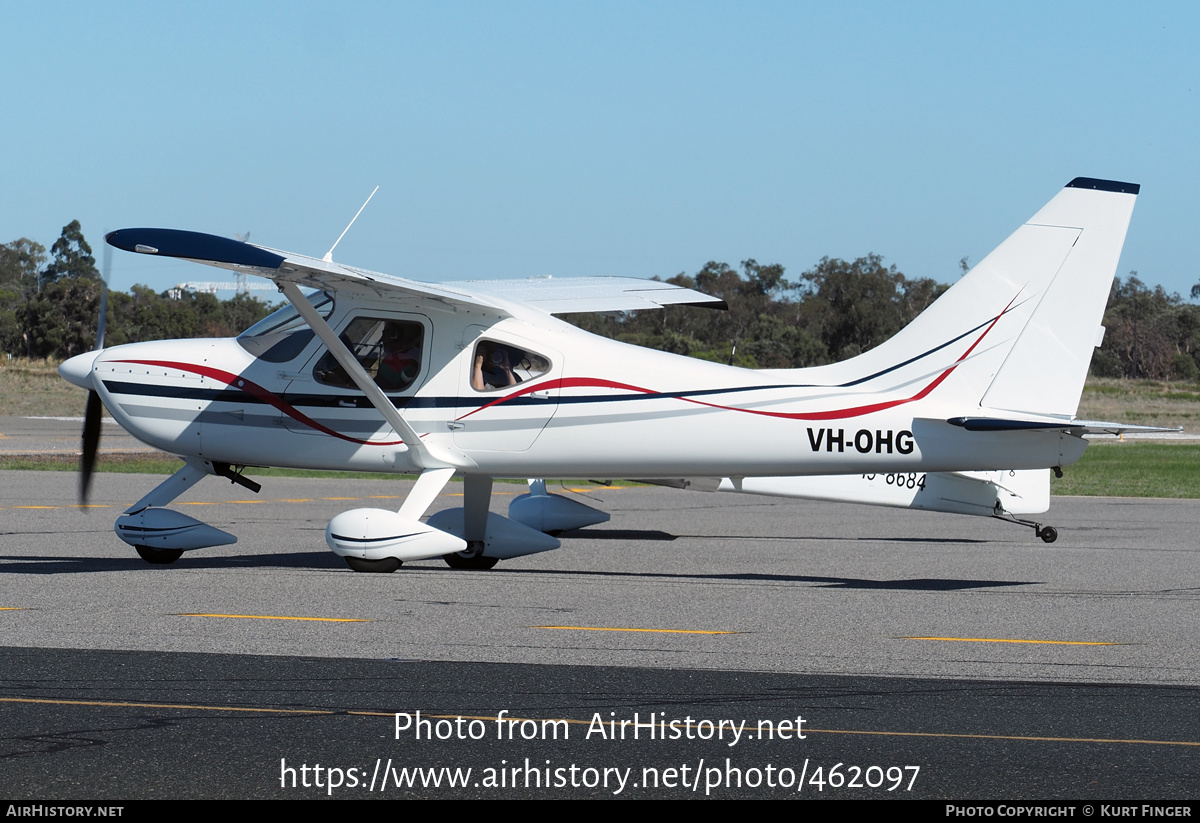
1104,185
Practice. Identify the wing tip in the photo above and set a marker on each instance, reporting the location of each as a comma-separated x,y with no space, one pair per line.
193,245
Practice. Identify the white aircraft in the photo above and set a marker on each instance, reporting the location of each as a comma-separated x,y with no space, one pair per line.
480,379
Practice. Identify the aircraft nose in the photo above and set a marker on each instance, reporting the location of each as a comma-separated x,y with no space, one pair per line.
78,370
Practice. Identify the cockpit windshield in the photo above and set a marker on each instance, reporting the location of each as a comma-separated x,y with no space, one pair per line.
283,334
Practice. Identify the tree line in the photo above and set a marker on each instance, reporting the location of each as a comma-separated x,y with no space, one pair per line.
834,311
49,303
838,309
1149,333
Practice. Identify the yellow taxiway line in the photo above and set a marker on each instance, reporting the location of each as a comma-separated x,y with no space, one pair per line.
280,617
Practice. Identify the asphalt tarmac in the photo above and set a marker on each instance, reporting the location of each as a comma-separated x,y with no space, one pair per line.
931,656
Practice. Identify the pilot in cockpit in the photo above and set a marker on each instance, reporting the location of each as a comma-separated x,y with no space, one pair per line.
401,360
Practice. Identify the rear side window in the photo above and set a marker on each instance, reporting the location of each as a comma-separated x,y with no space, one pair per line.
498,365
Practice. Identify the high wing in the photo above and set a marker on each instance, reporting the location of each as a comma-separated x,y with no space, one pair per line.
589,294
495,297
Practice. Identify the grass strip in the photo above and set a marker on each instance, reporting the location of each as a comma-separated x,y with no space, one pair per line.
1116,469
1125,469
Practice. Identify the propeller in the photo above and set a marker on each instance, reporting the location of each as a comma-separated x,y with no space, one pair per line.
95,409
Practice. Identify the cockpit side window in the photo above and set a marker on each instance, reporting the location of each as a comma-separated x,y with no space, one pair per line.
496,365
388,350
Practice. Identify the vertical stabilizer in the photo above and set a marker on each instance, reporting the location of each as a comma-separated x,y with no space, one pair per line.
1016,333
1048,363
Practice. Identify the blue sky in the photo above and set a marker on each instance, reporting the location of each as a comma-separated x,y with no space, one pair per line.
566,138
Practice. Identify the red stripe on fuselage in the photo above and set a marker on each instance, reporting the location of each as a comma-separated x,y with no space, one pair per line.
254,390
834,414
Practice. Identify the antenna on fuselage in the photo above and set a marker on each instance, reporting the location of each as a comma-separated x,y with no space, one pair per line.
328,258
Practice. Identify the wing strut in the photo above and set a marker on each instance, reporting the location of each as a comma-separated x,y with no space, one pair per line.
421,453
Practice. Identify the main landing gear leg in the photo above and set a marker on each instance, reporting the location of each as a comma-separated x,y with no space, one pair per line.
477,496
378,540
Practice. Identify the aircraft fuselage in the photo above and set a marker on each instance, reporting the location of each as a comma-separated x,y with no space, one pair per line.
600,408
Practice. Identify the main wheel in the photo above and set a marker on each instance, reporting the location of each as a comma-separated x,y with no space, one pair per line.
385,565
471,558
1048,534
159,557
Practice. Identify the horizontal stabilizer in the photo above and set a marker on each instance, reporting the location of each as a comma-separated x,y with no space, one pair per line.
1076,427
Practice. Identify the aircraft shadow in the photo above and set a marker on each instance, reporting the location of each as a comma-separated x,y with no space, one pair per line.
51,564
653,534
915,584
621,534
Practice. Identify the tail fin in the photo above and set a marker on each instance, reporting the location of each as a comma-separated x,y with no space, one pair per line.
1045,370
1018,330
